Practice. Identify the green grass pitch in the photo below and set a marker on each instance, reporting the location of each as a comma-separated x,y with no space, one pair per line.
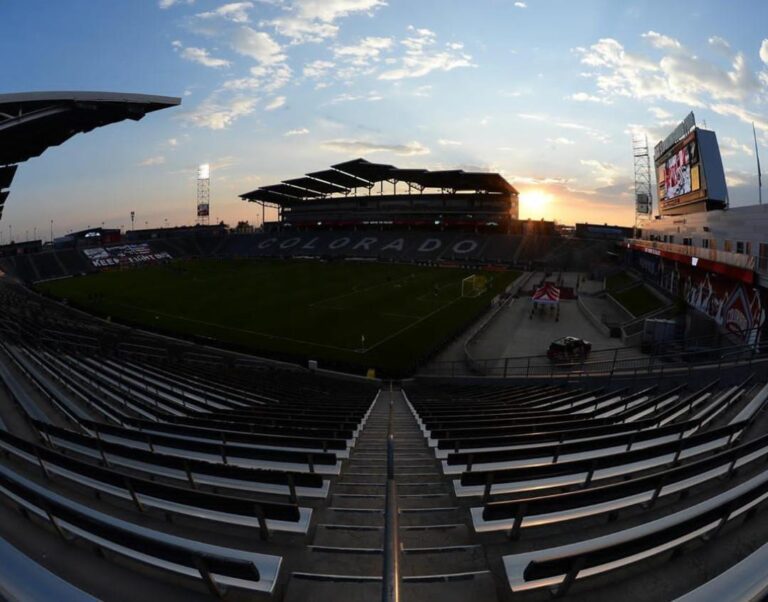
293,309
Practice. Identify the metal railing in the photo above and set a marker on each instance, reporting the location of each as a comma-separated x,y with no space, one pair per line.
608,362
739,260
390,591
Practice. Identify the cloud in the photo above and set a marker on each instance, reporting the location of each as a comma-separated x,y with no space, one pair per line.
362,147
297,132
764,51
257,45
422,56
584,97
560,141
521,5
216,115
150,161
203,57
330,10
301,31
276,103
366,51
603,172
164,4
659,113
443,142
731,110
719,43
173,142
371,96
423,91
317,69
730,147
234,11
661,41
267,78
679,76
313,20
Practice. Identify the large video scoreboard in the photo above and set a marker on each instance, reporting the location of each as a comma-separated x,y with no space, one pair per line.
689,171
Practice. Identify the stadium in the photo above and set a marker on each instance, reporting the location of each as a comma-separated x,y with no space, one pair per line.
398,390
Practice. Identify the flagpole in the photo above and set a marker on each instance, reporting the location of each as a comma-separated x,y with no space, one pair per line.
759,172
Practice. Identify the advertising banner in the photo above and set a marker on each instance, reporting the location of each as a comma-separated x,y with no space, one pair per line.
104,257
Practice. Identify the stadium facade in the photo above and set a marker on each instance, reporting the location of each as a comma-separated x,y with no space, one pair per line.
698,248
360,194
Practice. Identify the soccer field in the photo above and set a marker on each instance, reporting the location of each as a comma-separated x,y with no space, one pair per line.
385,316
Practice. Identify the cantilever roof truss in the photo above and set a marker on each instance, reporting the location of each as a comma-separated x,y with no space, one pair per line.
359,173
32,122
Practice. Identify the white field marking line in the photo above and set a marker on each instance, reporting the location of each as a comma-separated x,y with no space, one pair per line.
362,290
232,328
411,325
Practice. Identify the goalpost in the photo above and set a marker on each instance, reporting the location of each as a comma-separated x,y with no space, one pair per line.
473,286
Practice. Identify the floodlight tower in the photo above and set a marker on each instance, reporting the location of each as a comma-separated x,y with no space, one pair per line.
203,194
643,183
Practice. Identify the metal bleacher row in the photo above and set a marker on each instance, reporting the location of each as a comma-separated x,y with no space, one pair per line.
194,474
541,468
155,445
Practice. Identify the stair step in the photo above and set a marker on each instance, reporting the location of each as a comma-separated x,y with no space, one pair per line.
444,559
437,535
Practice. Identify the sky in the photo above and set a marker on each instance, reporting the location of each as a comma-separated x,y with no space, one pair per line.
547,92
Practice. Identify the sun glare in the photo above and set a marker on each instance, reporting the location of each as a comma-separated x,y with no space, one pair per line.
534,203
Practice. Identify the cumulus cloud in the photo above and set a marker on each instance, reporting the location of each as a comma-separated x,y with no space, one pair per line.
560,141
234,11
297,132
364,52
719,43
330,10
730,147
423,55
217,115
313,20
363,147
661,41
764,51
317,69
584,97
257,45
659,113
202,57
521,5
603,173
150,161
679,76
275,103
444,142
732,110
164,4
267,78
371,96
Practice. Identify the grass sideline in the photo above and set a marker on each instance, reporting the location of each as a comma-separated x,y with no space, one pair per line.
293,309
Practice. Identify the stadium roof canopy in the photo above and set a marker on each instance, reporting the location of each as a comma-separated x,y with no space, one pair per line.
345,177
31,122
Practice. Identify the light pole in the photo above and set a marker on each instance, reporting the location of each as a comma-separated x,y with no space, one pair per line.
51,231
133,215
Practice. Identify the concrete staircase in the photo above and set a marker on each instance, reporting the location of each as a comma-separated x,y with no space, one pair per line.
345,557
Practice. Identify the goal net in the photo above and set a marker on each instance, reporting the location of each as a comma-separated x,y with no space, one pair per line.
473,286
